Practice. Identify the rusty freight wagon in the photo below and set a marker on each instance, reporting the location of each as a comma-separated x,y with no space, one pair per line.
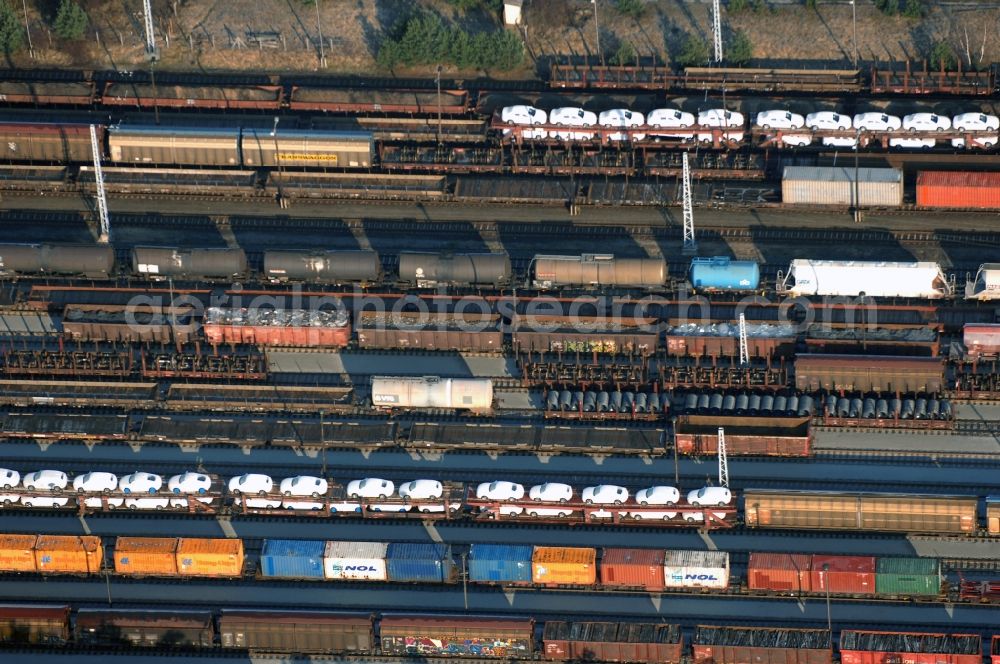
868,373
422,636
369,100
722,340
145,628
538,333
831,510
642,643
860,647
761,645
57,143
296,632
135,324
767,436
473,331
142,95
278,327
47,93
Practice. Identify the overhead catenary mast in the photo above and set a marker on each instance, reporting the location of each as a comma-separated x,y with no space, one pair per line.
690,245
102,201
716,30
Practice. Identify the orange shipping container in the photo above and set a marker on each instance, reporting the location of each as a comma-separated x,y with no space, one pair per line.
69,554
564,566
944,189
146,556
209,557
17,553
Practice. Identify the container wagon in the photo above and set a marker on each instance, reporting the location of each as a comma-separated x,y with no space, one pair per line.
861,647
837,186
596,270
958,190
427,270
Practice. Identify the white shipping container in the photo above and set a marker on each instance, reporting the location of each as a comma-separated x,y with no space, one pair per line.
696,569
355,560
873,278
826,185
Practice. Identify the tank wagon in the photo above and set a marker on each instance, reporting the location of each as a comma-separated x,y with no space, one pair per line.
922,280
720,273
428,270
164,262
598,270
92,261
322,266
473,394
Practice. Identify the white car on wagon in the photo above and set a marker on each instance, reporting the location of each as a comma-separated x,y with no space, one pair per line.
624,118
572,116
779,118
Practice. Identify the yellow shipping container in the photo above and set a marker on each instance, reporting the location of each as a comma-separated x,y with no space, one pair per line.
17,553
564,566
146,556
209,557
69,554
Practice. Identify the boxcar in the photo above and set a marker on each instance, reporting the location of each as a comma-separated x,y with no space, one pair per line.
174,145
34,624
457,636
296,632
58,143
332,149
144,628
831,510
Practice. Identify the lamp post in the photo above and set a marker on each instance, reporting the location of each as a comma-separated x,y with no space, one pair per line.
437,80
826,582
854,21
597,34
857,184
319,29
277,160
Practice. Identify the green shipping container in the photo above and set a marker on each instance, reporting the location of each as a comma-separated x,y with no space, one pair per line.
908,576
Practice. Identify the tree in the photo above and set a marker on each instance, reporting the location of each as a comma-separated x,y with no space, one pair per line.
71,20
624,55
11,30
737,6
694,52
425,40
740,49
810,4
942,56
887,7
633,8
914,9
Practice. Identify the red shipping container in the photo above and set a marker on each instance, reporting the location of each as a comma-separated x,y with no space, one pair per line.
981,339
636,568
780,572
945,189
843,575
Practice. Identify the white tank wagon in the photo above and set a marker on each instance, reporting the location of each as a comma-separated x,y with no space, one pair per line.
599,270
475,394
986,285
923,280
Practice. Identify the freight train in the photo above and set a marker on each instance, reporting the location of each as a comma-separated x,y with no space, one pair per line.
804,277
434,637
509,566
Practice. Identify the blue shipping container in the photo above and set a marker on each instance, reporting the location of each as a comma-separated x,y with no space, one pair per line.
426,563
500,563
721,273
292,559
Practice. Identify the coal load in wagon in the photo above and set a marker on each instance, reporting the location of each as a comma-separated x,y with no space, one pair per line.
806,639
945,644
